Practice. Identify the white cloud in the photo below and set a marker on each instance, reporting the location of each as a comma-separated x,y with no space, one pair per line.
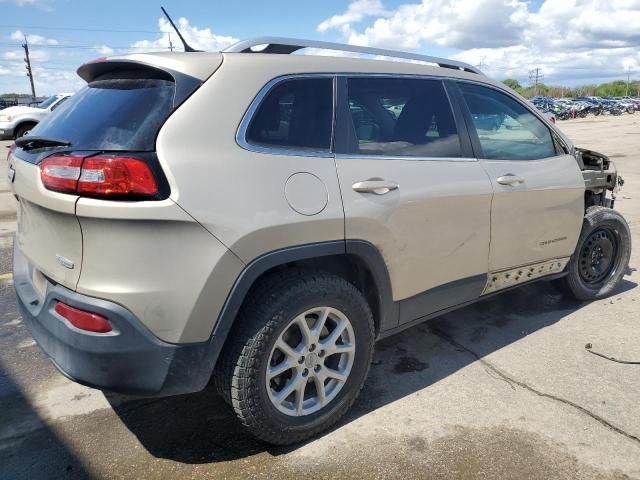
198,38
34,55
448,23
356,12
48,80
567,39
33,39
105,50
42,4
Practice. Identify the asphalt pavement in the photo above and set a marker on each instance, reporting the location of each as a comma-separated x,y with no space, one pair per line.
502,389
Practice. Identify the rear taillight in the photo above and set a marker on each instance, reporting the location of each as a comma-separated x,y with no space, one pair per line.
11,148
91,322
105,176
61,173
99,176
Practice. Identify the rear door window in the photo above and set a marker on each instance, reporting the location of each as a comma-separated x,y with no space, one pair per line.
119,114
507,130
402,117
296,114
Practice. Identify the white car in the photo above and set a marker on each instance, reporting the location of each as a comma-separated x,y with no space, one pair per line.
16,121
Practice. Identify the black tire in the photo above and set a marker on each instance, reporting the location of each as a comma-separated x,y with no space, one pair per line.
23,129
603,230
240,374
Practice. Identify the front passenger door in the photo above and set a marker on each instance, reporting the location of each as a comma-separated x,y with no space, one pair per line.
538,204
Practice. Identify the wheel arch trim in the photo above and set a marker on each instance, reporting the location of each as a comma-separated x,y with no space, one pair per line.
363,250
23,121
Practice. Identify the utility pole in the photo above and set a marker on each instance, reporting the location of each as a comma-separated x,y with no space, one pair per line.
170,43
535,77
27,60
481,64
628,79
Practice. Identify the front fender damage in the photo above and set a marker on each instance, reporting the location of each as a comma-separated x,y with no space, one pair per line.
600,176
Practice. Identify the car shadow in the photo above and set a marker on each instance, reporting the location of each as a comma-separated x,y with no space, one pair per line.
28,447
201,428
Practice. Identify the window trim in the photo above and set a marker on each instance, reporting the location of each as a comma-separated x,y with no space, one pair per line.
243,129
467,154
473,133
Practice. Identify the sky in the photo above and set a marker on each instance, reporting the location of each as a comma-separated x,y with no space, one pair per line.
572,42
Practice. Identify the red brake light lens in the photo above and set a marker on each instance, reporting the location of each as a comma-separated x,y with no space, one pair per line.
106,176
61,173
91,322
100,176
12,147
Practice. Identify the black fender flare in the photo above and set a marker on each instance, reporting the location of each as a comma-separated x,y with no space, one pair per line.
365,251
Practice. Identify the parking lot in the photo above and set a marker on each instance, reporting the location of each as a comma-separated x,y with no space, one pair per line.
502,389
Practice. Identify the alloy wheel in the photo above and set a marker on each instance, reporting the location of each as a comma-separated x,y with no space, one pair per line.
310,361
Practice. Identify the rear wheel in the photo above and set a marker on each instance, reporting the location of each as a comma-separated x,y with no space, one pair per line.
298,357
602,255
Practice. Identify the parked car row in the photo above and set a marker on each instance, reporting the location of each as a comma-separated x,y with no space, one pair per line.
18,120
565,108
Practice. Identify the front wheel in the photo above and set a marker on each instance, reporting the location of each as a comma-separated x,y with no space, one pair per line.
602,255
23,129
298,357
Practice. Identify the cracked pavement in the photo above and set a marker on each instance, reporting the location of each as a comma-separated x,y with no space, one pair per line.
501,389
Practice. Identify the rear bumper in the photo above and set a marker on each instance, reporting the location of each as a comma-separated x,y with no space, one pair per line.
128,360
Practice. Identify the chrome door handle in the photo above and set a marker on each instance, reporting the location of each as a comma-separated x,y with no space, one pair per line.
375,185
510,179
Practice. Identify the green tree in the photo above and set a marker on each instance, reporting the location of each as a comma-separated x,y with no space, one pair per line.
513,84
613,89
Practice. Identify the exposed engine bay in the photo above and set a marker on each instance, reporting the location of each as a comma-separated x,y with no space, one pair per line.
600,176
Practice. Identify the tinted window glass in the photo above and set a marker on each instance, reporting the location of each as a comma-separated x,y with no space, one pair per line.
295,114
406,117
507,130
60,102
112,114
48,102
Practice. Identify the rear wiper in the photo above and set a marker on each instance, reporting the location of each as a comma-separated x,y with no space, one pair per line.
29,143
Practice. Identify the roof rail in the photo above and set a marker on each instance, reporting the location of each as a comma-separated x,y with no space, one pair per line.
289,45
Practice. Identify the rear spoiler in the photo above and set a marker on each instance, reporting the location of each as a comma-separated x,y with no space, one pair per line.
185,84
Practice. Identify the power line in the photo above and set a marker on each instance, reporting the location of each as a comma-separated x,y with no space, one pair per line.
104,30
78,29
74,47
39,62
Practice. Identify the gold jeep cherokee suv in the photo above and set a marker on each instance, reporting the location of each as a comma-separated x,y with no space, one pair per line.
262,218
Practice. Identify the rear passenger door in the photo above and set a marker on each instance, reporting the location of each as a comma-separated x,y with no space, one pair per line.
411,187
539,190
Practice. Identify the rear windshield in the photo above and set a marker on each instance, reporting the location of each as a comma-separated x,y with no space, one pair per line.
112,114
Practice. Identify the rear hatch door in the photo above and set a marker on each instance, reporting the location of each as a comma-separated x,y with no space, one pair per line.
48,232
120,110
